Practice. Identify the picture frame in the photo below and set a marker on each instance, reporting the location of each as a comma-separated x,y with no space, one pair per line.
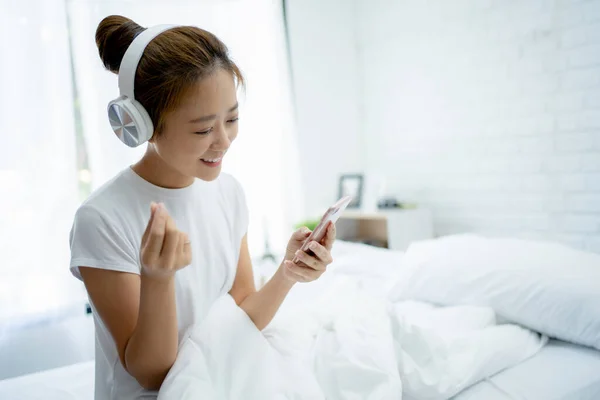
351,185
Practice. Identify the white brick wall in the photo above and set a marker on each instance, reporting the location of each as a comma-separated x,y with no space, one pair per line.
487,111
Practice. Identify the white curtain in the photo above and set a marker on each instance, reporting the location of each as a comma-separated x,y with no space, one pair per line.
38,177
264,157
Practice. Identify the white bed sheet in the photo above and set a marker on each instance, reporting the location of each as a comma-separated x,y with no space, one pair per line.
73,382
560,371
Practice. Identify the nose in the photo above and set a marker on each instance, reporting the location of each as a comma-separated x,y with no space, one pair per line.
221,139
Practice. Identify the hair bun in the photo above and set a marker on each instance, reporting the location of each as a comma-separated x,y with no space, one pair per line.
113,36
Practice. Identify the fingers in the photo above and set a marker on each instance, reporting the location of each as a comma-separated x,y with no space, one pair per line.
318,260
321,252
301,233
186,250
180,242
310,261
329,237
154,242
302,274
153,207
165,249
171,241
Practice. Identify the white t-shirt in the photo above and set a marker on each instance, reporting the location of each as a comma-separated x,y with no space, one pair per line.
107,234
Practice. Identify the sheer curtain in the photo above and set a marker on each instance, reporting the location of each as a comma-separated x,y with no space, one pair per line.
38,177
264,157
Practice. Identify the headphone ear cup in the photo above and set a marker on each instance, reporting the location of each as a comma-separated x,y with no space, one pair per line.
145,122
130,121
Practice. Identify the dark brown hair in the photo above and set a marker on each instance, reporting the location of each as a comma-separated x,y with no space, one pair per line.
171,64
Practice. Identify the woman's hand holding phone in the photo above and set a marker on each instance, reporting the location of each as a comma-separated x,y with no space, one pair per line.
309,253
164,249
313,262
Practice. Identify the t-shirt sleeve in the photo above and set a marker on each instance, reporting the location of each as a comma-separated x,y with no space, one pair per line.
98,243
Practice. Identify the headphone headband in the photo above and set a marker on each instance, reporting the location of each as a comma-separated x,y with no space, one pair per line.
132,57
128,118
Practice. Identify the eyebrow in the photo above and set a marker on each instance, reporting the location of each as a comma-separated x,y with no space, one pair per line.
212,116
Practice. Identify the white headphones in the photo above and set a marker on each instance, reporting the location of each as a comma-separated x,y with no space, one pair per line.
128,118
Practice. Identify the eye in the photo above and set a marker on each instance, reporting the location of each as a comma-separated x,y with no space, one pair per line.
206,132
233,120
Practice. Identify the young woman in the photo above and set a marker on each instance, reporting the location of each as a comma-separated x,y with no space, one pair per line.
162,240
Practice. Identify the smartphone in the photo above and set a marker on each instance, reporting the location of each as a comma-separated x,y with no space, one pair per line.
331,215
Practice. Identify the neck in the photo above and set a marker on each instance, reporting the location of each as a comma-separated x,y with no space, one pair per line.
155,170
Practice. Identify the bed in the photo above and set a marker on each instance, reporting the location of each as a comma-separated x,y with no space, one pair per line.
559,371
73,382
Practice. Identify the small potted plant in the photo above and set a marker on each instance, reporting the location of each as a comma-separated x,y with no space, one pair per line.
309,223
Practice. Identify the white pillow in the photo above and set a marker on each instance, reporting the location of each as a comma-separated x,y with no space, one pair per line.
544,286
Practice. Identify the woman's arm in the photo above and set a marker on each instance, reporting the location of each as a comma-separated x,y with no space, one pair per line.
141,316
140,310
261,306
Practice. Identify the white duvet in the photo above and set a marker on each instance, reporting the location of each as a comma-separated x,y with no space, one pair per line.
347,345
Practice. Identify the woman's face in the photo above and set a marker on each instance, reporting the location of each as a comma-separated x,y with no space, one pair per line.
198,133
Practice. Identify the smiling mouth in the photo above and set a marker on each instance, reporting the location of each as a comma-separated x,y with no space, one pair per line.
212,162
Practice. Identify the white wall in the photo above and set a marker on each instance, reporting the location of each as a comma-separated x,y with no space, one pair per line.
488,112
326,78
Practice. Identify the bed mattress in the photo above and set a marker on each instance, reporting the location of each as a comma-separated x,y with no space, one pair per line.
560,371
73,382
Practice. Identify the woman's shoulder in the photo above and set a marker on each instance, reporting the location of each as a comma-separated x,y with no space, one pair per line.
105,200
